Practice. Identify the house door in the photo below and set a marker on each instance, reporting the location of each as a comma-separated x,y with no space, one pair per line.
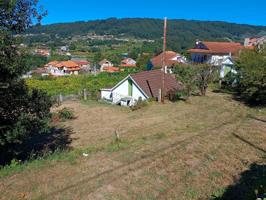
130,87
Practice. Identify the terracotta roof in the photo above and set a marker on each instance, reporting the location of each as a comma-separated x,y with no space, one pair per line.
53,63
70,65
217,48
151,81
157,60
82,62
111,69
128,65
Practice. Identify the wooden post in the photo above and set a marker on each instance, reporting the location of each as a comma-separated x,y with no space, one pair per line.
60,98
160,96
85,95
220,83
163,61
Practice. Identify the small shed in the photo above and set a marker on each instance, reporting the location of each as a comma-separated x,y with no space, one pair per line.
140,86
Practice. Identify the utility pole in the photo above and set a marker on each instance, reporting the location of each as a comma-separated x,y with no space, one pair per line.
163,61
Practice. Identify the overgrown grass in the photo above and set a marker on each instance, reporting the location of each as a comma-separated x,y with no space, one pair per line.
74,84
71,156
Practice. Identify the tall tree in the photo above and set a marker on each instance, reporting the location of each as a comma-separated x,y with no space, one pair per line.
22,112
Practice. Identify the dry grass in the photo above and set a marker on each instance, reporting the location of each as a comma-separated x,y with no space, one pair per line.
174,151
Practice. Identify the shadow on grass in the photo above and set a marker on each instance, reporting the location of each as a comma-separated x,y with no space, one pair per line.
252,182
40,144
250,186
237,97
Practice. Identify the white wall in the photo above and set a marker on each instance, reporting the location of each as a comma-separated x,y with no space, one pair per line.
122,91
136,93
106,94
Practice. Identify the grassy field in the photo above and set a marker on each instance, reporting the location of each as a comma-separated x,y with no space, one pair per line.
207,148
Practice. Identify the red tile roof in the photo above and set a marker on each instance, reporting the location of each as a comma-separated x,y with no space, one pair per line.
111,69
70,65
151,81
128,65
157,60
217,48
82,62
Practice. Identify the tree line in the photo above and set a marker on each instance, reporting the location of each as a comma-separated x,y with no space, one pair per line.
181,33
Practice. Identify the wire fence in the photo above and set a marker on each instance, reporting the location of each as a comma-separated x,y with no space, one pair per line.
60,98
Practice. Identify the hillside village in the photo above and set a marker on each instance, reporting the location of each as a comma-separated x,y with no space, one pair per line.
110,109
220,55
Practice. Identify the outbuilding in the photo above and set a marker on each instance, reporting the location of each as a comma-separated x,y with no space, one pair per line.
140,86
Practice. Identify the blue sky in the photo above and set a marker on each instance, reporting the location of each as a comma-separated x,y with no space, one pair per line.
245,12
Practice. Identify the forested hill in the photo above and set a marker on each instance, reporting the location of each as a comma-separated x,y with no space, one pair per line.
181,32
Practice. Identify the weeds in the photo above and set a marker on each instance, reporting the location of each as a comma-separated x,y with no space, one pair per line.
191,193
140,104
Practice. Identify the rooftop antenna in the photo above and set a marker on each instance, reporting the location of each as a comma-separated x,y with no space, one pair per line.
163,61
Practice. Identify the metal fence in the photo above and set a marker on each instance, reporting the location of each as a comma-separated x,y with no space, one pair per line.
60,98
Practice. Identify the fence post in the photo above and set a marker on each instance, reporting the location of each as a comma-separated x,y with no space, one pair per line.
85,95
160,96
59,99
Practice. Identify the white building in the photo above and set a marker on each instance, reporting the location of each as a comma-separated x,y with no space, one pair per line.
140,86
128,62
105,64
218,54
63,68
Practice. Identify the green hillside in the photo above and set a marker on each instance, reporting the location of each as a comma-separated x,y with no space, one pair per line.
181,33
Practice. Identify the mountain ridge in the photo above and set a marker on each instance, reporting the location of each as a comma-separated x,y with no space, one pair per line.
182,32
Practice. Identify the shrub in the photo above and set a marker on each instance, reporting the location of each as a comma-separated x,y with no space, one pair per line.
193,77
66,114
186,74
204,77
140,104
252,76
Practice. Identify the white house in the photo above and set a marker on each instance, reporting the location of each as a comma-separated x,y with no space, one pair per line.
63,68
105,64
140,86
218,54
225,64
128,62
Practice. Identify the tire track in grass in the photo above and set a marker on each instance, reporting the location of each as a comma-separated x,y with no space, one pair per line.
162,195
135,164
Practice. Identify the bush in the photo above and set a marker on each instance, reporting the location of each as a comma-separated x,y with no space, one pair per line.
205,75
252,76
193,77
186,75
180,95
23,113
140,104
66,114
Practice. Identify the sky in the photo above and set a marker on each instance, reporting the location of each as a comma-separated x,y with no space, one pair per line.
243,12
